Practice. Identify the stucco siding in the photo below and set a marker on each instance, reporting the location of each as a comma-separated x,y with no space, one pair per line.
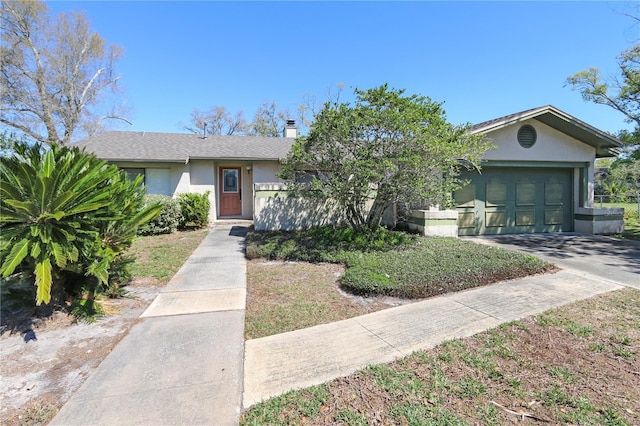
264,172
551,145
202,178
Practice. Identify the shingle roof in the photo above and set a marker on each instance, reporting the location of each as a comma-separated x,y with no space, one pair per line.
559,120
180,147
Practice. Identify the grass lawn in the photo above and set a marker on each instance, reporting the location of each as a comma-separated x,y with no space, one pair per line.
285,296
631,222
158,257
579,364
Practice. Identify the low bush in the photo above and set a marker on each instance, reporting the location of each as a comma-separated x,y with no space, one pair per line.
436,266
195,210
167,221
397,264
323,244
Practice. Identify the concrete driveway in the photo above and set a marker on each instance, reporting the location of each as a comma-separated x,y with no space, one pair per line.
598,256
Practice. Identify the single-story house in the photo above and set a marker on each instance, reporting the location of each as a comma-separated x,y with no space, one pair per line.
540,177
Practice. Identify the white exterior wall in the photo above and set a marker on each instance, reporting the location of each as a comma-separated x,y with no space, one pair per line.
202,178
551,146
180,178
265,172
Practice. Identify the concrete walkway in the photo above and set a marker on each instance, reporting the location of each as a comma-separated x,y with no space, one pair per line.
183,363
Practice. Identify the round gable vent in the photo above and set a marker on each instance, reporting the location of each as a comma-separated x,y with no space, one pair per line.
527,136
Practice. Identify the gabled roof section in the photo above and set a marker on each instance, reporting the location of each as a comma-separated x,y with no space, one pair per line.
180,147
604,143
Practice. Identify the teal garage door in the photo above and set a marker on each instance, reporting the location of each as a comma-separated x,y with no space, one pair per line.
515,201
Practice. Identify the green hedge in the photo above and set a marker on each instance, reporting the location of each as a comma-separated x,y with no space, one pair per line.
167,221
195,210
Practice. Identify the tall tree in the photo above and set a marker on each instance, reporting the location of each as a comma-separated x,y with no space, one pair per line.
53,72
268,121
386,148
622,93
218,121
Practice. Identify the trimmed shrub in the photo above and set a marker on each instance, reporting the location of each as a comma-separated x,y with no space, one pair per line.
195,210
168,219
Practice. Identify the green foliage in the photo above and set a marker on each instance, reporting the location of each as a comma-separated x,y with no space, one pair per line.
87,310
620,94
195,210
65,209
167,220
386,148
322,244
394,263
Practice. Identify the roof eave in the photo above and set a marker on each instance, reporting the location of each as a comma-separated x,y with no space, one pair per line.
145,160
549,116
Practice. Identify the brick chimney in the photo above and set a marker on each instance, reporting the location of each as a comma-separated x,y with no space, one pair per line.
290,130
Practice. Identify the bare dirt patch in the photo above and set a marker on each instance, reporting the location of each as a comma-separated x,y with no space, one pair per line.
44,364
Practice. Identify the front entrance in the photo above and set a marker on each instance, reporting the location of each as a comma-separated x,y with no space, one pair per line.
230,192
514,201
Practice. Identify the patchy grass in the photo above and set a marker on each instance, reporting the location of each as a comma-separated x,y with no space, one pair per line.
631,220
541,367
286,296
159,257
397,264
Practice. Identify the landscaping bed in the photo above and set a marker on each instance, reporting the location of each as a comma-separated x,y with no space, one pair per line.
396,264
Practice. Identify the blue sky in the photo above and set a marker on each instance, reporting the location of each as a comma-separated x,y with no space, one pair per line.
483,59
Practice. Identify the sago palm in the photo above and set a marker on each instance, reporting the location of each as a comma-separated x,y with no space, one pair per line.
53,204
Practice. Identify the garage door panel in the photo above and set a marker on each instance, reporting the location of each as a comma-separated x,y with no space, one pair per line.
495,219
465,197
496,194
553,217
525,218
525,194
467,220
553,194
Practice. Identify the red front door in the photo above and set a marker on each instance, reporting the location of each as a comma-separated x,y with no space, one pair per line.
230,192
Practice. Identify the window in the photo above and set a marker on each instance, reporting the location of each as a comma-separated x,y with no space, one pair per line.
229,180
134,173
157,181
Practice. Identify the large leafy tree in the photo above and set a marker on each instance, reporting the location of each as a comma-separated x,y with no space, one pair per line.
54,73
268,121
61,208
622,93
386,148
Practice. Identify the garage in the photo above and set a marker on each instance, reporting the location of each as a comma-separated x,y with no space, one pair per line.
509,200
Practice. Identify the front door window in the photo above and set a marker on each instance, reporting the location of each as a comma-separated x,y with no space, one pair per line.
230,180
